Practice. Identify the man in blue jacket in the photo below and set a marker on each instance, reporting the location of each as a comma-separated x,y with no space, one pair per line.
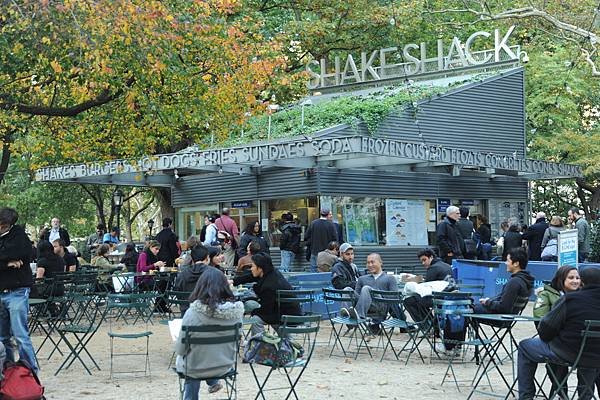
560,338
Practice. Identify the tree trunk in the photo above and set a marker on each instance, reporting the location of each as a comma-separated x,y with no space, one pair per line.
164,200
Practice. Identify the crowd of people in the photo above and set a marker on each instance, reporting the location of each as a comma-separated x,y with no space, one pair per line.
204,262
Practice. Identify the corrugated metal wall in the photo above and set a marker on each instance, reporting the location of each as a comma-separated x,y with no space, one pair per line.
486,116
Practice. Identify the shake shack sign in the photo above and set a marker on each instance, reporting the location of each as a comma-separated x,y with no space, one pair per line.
412,59
307,153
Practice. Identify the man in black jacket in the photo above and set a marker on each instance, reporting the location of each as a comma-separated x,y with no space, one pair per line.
344,272
15,285
560,338
437,270
319,234
168,243
289,243
449,239
56,232
534,235
189,275
519,285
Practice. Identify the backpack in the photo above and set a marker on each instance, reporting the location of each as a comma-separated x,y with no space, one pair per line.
551,248
271,350
472,245
20,383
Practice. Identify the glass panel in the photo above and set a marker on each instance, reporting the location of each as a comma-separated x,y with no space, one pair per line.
304,209
244,215
191,220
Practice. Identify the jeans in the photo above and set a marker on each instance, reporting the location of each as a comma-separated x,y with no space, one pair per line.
286,260
14,307
313,263
534,351
2,358
191,387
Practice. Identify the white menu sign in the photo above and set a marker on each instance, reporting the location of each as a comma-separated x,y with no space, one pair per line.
406,222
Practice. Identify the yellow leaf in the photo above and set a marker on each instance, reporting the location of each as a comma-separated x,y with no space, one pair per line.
56,66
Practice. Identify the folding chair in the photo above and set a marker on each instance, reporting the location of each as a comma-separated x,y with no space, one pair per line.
84,325
393,299
333,299
591,333
307,325
213,335
423,319
114,302
449,309
176,299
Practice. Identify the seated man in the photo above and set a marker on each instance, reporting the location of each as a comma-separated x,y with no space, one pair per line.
560,338
437,270
376,279
189,275
519,285
328,257
344,273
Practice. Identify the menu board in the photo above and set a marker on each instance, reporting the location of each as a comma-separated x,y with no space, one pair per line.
406,222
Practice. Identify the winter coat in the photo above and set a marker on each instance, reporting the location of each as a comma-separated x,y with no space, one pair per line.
62,233
290,237
245,241
187,278
583,235
15,245
344,274
534,235
546,299
266,291
449,239
318,235
551,233
561,327
210,360
511,240
437,271
519,285
168,246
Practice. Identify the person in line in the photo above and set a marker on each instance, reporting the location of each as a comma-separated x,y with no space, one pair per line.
268,282
565,280
131,256
289,243
212,303
112,238
512,239
15,285
328,257
550,239
376,279
169,249
148,261
56,232
583,233
319,234
344,273
252,232
227,224
534,236
70,259
520,284
210,238
448,237
203,230
560,338
466,229
484,230
435,269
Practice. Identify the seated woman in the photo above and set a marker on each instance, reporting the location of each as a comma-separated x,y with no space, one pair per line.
268,282
147,262
49,265
130,258
216,258
565,280
104,267
212,304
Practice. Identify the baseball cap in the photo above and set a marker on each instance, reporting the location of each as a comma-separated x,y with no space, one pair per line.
345,247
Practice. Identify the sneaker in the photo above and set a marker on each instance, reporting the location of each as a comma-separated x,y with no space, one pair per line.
215,388
369,337
352,313
344,312
440,348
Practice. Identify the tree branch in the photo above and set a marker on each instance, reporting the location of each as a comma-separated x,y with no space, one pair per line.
104,97
143,208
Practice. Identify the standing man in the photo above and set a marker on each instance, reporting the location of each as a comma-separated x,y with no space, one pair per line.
56,232
15,285
534,236
583,233
95,240
319,234
466,229
289,243
448,238
227,224
168,243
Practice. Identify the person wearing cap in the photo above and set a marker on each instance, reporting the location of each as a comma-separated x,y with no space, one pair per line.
344,272
319,234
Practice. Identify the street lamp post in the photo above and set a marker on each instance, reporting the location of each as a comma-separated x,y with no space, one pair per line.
118,203
150,226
